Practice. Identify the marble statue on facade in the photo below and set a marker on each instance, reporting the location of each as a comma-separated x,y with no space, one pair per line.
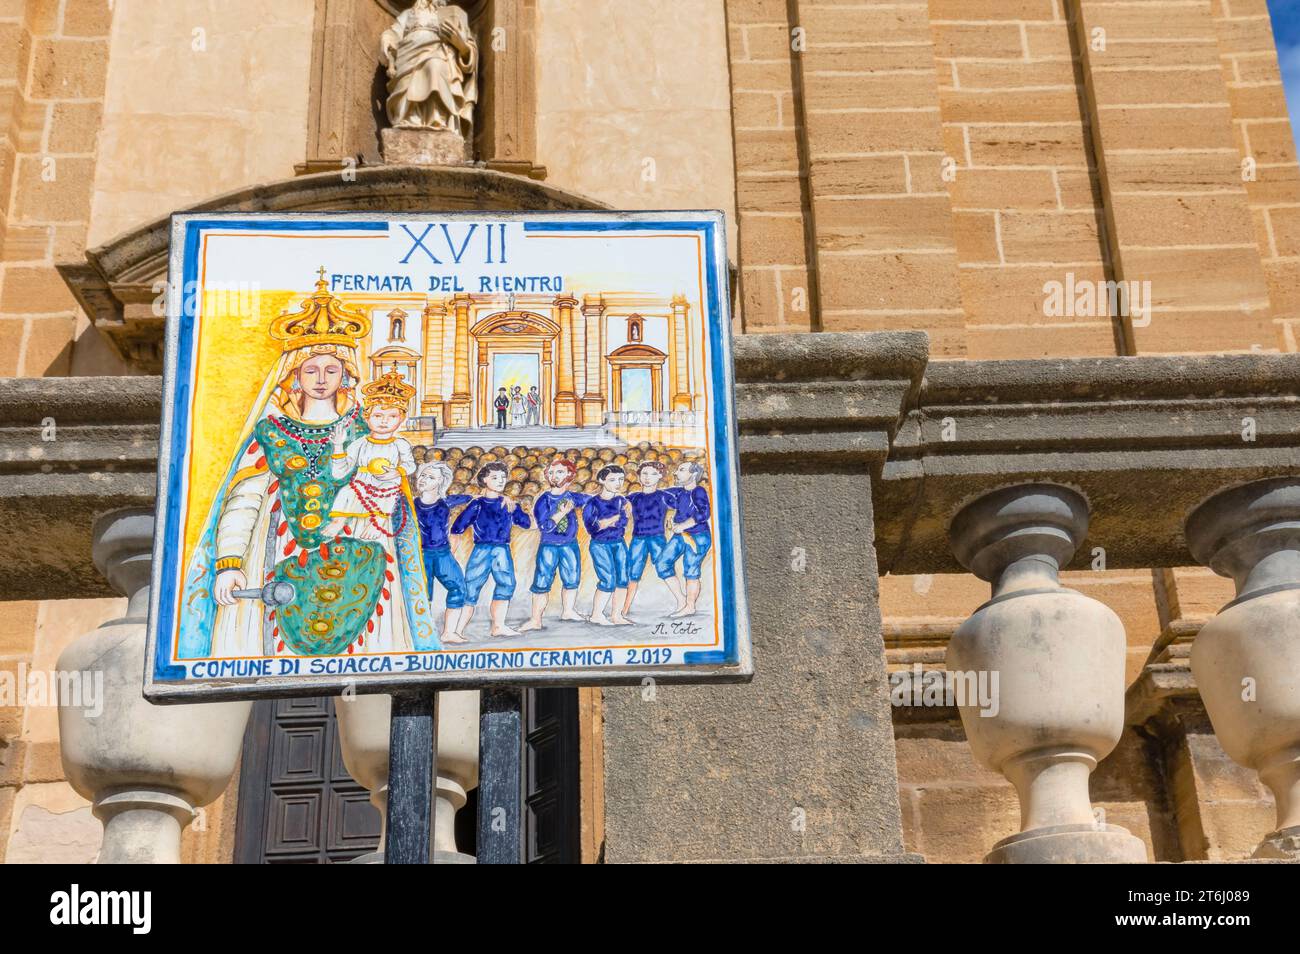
432,59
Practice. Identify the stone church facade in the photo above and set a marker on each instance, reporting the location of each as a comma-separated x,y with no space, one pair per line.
1016,286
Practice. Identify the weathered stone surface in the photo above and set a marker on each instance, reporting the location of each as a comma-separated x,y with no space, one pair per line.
799,765
1144,439
42,836
1069,844
804,400
71,449
424,147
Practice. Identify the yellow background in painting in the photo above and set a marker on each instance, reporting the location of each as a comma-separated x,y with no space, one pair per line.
235,354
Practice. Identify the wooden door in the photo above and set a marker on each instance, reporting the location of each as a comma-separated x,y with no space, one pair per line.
297,803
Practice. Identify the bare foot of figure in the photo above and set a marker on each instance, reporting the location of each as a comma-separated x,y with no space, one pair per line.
454,638
531,625
504,630
599,620
573,617
685,611
620,620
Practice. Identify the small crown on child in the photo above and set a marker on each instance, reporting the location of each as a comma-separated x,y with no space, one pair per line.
388,391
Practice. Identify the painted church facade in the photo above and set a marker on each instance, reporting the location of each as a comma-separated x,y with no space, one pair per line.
597,359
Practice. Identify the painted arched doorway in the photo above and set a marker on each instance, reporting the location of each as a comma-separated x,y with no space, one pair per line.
636,373
514,349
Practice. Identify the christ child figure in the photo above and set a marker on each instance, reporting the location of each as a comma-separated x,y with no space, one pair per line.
378,463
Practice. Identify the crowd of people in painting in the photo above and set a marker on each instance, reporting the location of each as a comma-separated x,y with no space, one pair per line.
327,497
627,530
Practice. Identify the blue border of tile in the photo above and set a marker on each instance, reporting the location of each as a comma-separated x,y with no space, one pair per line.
182,379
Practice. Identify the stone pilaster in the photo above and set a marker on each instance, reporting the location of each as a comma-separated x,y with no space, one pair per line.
799,764
1177,212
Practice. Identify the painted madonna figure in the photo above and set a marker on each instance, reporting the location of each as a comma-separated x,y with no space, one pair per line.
274,517
432,60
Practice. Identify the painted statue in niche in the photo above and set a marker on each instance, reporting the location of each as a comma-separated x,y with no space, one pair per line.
432,60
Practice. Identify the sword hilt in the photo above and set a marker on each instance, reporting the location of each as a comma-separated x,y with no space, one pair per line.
275,593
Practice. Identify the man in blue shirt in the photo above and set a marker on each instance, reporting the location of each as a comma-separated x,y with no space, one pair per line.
691,537
650,506
556,514
433,509
605,517
491,515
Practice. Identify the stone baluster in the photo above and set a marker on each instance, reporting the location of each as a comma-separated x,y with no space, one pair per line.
146,769
364,723
1054,660
1246,661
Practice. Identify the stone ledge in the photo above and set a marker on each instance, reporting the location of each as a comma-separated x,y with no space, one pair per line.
103,456
809,400
1144,439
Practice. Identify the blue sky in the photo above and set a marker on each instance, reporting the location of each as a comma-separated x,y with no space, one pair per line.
1286,29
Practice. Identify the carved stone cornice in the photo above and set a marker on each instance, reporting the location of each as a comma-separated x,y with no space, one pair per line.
809,400
71,449
1144,439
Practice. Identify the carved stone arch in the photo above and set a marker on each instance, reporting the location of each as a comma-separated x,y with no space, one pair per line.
117,284
346,107
514,323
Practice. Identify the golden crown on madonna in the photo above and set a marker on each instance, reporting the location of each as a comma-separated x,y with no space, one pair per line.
391,390
323,320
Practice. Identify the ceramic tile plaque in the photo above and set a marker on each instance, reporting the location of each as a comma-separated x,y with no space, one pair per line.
454,450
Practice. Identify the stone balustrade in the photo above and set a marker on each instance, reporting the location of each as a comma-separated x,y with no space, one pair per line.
861,456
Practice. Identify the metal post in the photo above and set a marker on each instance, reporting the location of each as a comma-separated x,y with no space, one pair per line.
412,760
500,786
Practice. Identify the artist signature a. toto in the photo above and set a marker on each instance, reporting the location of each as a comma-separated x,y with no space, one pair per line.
676,628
